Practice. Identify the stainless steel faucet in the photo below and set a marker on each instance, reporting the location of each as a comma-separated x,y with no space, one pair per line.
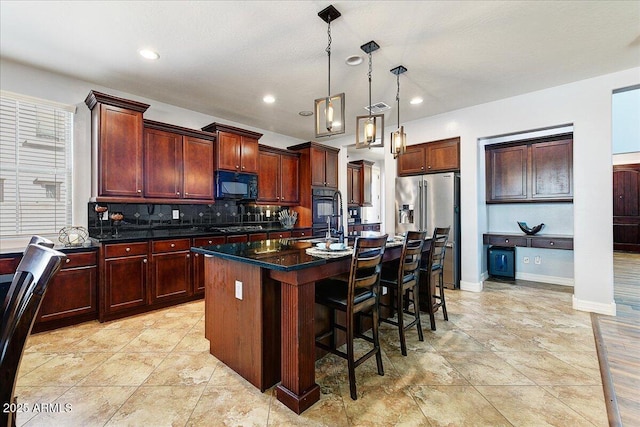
337,204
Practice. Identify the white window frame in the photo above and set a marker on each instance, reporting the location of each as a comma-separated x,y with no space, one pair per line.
36,163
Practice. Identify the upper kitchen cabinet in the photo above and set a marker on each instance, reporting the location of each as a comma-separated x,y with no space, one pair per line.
430,157
539,170
278,172
117,141
318,162
359,176
237,148
178,162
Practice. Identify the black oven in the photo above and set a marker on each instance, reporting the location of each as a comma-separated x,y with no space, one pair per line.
322,209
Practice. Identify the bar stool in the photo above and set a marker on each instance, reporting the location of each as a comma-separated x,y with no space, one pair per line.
38,265
436,267
403,286
359,296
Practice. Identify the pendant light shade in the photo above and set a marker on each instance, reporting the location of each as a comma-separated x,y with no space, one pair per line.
398,138
370,128
329,110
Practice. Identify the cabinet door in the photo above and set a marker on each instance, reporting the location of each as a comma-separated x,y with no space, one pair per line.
72,292
125,283
552,170
228,153
443,155
318,161
268,177
249,155
162,164
366,176
198,261
506,174
238,238
170,276
120,152
290,184
412,162
197,168
331,169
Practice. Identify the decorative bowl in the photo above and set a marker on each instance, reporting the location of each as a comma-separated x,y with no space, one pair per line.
530,231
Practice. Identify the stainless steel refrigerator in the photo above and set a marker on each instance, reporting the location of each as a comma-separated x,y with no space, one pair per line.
428,201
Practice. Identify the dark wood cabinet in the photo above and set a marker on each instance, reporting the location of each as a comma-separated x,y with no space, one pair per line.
279,234
354,191
198,261
237,149
117,140
430,157
178,163
538,241
170,269
72,294
125,278
302,232
324,167
538,170
626,207
359,180
278,177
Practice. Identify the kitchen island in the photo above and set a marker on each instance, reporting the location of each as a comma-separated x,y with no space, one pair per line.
259,311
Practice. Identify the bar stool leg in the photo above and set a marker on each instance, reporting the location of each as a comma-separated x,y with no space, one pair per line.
442,300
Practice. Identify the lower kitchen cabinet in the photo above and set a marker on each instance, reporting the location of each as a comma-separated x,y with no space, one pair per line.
71,295
170,269
302,232
198,261
279,234
124,286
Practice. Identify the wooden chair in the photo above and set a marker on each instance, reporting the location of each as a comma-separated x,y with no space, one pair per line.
435,267
38,265
358,296
403,286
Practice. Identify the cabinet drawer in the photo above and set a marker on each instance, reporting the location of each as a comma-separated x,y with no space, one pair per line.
279,234
559,243
206,241
125,249
507,241
80,260
301,233
170,245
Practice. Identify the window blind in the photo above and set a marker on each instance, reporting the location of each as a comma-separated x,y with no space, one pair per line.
36,138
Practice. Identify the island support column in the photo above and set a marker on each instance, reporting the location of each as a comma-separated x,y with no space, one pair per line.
298,389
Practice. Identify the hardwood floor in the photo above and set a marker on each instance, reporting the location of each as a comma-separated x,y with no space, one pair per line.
618,343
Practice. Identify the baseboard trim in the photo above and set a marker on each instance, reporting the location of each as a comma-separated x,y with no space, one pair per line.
471,286
554,280
594,307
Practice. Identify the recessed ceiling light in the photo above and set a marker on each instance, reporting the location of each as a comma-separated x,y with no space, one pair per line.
415,101
306,113
269,99
149,54
353,60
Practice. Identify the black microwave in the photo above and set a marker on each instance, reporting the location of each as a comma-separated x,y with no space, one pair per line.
237,186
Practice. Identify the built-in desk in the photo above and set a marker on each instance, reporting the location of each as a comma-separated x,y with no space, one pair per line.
544,241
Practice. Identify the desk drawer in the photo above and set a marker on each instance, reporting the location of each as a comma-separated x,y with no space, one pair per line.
507,241
550,243
83,259
125,249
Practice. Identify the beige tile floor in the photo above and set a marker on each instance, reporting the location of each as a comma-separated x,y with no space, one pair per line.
511,355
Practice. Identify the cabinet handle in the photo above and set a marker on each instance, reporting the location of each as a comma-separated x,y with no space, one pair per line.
550,243
186,194
243,167
196,255
237,166
68,261
210,242
421,168
144,260
138,191
429,166
188,256
302,234
506,240
127,250
173,245
177,193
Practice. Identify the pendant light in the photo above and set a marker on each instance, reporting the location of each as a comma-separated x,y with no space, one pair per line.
329,110
370,129
398,138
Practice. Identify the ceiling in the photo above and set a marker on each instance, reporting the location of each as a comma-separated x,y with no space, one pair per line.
220,58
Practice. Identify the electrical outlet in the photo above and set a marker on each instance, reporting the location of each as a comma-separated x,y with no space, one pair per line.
384,290
238,289
175,214
537,260
525,260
